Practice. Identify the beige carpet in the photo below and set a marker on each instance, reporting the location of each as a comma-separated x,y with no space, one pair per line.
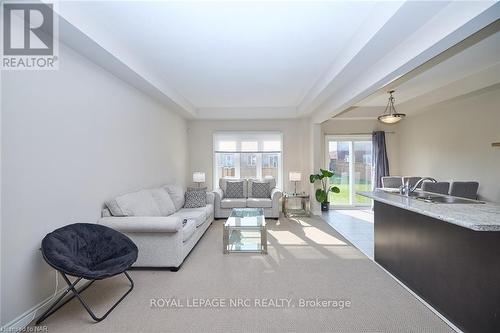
307,259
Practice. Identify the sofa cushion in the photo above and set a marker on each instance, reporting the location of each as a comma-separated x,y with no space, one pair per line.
140,203
233,203
197,214
234,189
259,203
195,199
188,230
163,200
260,190
176,193
271,181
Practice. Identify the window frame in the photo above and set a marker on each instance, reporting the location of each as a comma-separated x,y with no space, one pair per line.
245,136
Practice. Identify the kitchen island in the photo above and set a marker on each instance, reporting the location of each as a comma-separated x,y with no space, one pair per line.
448,254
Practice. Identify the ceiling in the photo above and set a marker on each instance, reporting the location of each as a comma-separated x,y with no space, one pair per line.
233,55
258,60
472,69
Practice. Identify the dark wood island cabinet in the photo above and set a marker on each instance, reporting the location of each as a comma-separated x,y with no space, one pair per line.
447,254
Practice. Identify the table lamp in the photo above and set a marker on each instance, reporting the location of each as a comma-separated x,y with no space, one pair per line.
198,178
295,177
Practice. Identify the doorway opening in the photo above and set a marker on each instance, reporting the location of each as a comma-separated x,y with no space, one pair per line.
350,158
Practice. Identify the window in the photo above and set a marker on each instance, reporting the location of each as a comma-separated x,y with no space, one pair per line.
225,165
270,165
248,165
247,155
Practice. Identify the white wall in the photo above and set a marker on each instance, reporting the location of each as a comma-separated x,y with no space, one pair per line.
71,139
452,141
295,145
1,224
348,126
316,162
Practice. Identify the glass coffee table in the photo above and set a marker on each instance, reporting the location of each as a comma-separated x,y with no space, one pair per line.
245,231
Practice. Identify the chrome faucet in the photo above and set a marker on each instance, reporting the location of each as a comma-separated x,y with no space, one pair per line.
406,189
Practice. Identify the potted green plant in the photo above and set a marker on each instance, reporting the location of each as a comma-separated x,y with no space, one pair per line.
322,193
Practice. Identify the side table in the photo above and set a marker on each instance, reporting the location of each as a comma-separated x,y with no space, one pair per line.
296,204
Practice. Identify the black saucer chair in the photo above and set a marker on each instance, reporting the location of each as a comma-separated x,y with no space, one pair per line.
87,251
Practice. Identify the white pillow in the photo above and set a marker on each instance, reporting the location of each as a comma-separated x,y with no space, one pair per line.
163,200
140,203
176,193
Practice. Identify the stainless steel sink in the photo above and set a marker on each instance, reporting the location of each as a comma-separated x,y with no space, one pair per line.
435,198
420,195
448,200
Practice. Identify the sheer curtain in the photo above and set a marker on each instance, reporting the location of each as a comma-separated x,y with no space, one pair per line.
379,161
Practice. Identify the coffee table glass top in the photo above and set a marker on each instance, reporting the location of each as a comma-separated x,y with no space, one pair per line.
246,218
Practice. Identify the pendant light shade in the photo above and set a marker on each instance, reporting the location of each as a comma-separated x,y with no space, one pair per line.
390,116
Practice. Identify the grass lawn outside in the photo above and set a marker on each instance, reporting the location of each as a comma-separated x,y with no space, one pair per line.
342,198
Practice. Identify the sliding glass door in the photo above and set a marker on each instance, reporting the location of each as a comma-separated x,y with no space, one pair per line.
350,158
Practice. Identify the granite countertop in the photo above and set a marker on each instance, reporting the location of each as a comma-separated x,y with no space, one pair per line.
478,217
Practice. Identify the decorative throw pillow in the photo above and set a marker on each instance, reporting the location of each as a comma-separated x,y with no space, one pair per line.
114,208
234,190
105,212
195,199
261,190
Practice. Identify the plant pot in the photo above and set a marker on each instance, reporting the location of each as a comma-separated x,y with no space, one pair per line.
325,206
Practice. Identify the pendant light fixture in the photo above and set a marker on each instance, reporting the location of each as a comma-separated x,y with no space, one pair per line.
390,116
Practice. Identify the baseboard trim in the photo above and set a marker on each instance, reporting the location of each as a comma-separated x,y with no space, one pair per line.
22,321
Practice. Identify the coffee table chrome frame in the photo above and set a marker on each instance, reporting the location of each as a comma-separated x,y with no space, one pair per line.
263,238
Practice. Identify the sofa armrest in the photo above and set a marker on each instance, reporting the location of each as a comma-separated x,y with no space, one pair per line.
275,198
210,198
219,195
140,224
276,194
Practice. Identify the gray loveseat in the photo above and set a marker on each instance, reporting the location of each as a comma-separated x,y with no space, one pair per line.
224,203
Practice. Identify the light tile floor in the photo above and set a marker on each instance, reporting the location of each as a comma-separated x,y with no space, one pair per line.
355,225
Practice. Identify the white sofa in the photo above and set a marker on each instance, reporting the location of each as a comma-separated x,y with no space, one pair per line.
163,230
224,205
